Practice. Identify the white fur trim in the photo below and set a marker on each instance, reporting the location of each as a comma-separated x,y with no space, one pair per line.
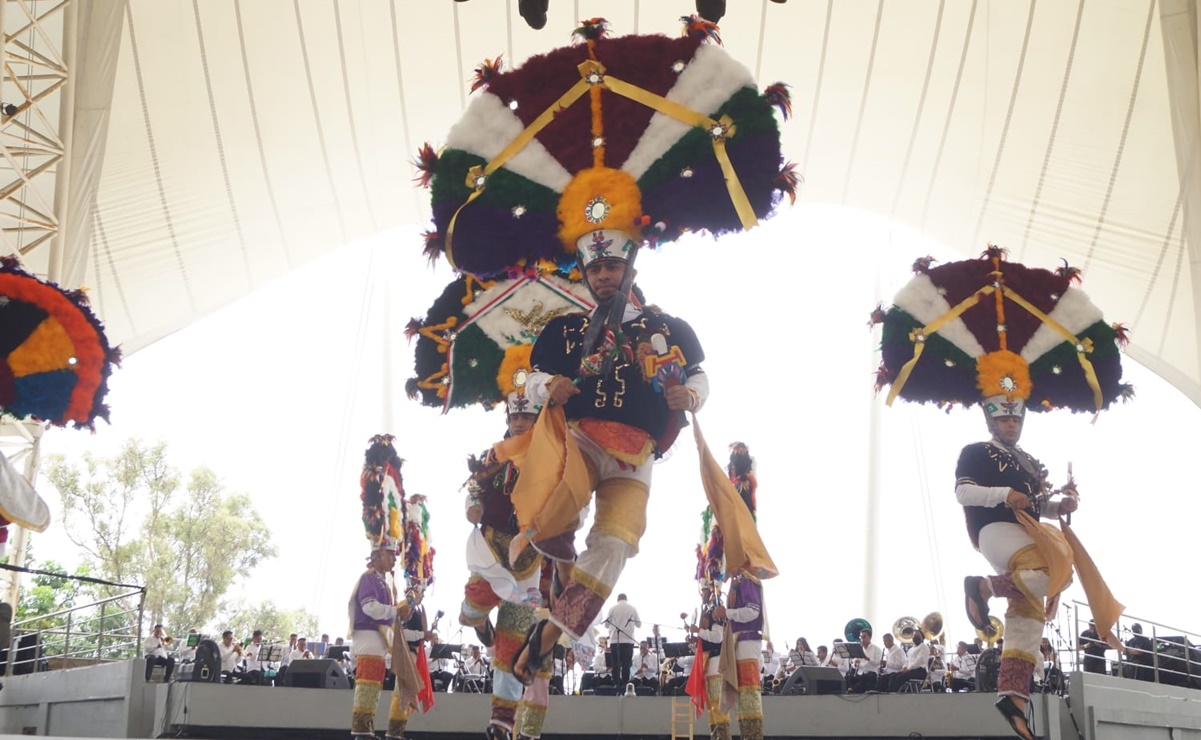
709,79
488,126
920,298
1074,311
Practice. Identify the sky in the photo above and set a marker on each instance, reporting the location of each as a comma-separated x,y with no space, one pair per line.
280,392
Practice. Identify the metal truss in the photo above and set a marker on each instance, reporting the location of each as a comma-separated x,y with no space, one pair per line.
36,118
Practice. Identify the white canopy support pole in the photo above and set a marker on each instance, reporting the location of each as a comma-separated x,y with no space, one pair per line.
1180,25
66,126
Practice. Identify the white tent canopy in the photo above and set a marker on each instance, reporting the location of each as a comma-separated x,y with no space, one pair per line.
216,145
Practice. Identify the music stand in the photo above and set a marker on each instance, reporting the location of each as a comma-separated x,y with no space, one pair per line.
973,650
271,653
445,651
677,649
338,652
850,650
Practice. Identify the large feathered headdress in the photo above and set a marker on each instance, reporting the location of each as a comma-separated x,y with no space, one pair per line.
56,359
992,329
418,549
582,151
710,553
382,494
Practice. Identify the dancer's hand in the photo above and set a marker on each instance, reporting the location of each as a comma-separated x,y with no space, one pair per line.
1017,500
560,388
1068,504
679,398
475,514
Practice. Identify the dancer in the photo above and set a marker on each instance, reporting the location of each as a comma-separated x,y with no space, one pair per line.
1017,334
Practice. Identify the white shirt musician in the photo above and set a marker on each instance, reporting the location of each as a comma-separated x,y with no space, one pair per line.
300,652
231,652
769,665
646,663
894,656
475,665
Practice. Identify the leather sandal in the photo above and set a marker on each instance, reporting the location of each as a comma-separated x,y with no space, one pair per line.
533,641
972,598
1009,710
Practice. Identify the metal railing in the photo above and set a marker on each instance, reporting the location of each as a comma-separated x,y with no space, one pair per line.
1156,652
103,631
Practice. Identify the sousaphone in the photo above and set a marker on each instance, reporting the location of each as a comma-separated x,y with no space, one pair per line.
932,626
998,631
854,627
904,628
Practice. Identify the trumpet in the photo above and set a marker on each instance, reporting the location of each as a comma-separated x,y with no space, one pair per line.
167,640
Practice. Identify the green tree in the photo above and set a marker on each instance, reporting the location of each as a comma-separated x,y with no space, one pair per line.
276,623
129,514
47,594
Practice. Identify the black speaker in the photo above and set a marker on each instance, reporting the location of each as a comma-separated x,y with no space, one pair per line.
811,680
320,673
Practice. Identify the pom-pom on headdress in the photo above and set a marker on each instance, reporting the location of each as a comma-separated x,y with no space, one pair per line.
418,551
55,360
1015,336
474,344
576,151
382,494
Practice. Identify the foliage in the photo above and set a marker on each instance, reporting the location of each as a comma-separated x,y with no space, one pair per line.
49,594
187,544
276,623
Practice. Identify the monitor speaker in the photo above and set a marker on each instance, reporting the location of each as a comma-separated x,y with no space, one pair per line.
320,673
811,680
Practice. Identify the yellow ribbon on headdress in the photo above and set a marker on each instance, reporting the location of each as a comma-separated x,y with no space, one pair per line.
926,331
720,130
1082,347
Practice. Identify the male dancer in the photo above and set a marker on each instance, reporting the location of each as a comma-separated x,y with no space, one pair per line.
373,608
994,481
488,506
740,656
711,630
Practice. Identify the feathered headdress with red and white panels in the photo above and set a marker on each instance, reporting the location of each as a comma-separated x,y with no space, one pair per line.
382,494
578,151
988,328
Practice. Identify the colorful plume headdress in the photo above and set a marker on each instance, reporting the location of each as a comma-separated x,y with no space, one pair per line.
382,494
418,551
710,553
988,327
604,137
474,344
56,359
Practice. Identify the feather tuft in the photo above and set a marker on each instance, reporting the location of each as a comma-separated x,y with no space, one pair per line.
1126,392
789,181
412,329
921,265
1069,274
487,71
426,162
411,389
434,245
777,94
698,28
1123,334
877,316
994,251
883,377
592,29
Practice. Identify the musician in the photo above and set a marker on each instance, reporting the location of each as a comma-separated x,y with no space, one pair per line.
441,674
962,669
622,619
476,664
155,649
187,654
799,656
657,642
894,660
769,666
917,662
1094,649
831,660
646,667
254,666
301,651
231,656
710,630
286,659
867,669
681,669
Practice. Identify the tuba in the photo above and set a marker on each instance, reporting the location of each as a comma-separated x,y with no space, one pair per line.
932,626
998,631
854,627
904,628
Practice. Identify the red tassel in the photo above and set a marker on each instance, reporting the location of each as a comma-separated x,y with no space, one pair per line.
592,29
1123,333
696,687
1069,274
777,94
789,181
699,28
486,72
426,162
883,378
412,328
921,265
411,389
